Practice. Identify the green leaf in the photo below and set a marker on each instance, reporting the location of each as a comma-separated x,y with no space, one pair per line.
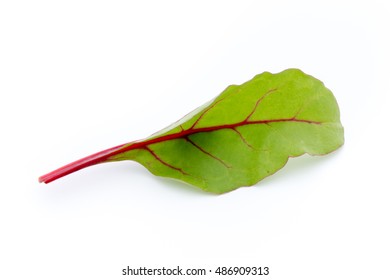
245,134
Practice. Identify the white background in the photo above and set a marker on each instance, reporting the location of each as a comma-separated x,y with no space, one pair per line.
77,77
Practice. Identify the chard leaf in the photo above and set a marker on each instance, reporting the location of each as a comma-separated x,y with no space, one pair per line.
245,134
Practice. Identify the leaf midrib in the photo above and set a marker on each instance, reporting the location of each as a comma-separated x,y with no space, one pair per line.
186,132
108,155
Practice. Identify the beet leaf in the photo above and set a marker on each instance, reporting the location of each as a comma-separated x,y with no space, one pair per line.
245,134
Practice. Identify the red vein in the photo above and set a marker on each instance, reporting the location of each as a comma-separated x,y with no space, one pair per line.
205,112
242,138
206,152
259,101
162,161
182,134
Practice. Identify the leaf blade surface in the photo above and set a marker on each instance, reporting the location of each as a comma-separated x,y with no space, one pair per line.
245,134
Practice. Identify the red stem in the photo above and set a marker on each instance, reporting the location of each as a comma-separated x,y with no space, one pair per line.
79,164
